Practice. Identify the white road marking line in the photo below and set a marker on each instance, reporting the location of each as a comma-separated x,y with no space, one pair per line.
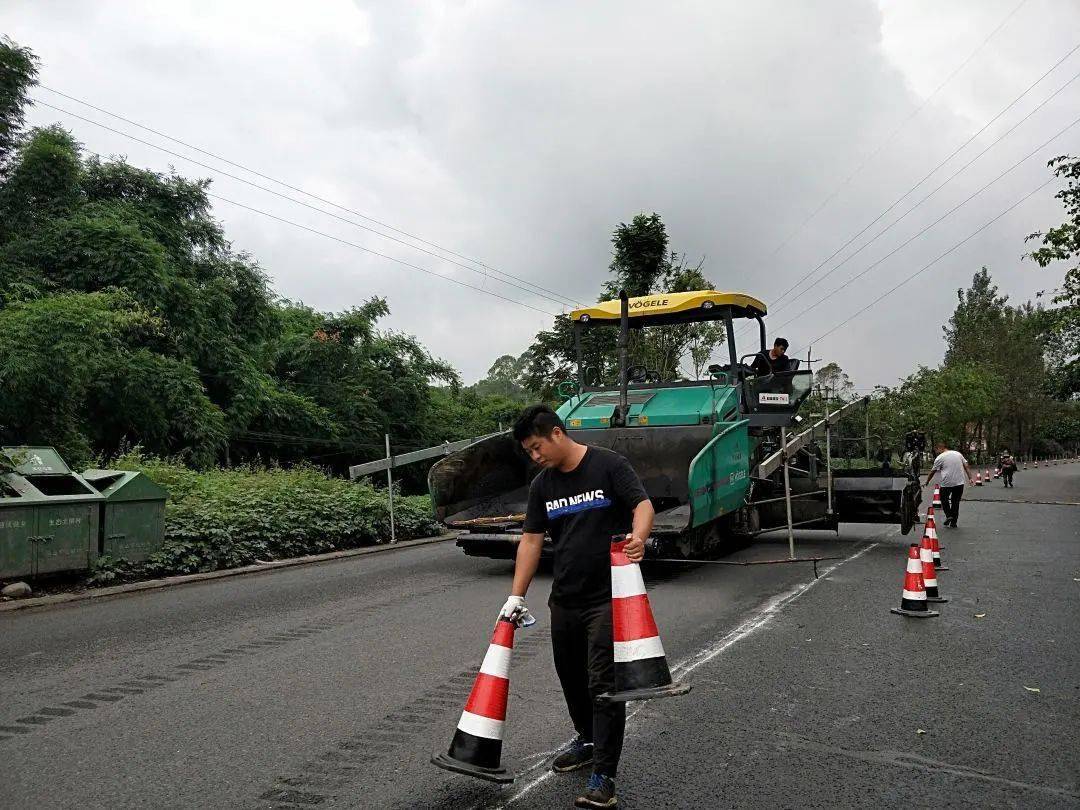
759,620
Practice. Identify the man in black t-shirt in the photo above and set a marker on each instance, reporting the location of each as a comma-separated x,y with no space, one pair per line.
581,497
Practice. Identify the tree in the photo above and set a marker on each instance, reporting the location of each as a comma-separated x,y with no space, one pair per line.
639,256
952,402
1062,244
18,73
505,378
833,378
69,377
985,330
641,264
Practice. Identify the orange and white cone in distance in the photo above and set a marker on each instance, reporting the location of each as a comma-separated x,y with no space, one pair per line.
978,478
929,575
641,668
913,597
936,503
930,533
476,749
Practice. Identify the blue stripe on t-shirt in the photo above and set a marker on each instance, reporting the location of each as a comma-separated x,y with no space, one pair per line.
599,503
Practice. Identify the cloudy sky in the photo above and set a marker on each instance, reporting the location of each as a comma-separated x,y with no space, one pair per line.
518,134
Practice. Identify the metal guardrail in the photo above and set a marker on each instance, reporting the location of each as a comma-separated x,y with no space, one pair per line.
772,463
391,461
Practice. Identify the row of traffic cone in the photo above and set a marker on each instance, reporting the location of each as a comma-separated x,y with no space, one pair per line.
641,673
923,563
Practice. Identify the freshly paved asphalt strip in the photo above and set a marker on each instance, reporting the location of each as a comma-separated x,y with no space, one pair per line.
332,685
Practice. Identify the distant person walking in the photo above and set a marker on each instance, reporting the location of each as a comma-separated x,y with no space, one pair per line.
954,471
1008,467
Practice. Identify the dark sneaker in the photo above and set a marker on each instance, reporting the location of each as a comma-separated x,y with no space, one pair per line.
600,792
578,755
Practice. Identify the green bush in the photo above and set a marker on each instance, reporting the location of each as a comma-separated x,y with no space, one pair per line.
220,518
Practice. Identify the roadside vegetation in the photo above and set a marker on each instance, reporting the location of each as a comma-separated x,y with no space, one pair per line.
219,518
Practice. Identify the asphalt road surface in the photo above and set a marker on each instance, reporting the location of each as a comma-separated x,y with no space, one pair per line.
331,685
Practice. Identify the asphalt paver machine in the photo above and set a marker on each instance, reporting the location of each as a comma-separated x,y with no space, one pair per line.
722,458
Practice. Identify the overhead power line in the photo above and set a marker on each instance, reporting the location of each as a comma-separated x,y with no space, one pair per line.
931,263
208,167
941,185
299,190
929,174
903,124
395,259
944,216
402,262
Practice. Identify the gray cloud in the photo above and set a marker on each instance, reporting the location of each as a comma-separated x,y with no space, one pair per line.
521,133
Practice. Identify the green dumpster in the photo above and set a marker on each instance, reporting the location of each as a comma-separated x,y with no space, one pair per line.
133,517
49,515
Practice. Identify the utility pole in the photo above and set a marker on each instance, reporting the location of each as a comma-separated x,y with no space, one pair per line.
390,488
866,408
787,493
828,456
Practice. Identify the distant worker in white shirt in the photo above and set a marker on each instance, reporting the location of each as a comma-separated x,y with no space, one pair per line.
955,472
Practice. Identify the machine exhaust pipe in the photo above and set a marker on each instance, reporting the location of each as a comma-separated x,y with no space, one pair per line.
624,340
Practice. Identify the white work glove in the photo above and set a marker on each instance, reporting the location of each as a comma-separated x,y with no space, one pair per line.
517,611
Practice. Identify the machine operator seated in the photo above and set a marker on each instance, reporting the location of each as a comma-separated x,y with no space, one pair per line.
774,370
775,361
764,364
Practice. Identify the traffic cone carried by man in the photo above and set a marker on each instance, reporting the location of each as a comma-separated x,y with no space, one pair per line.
913,597
978,478
476,749
929,574
936,502
641,668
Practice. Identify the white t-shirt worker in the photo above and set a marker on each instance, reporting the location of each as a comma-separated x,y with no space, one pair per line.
954,471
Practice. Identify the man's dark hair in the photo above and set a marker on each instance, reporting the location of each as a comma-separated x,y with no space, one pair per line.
780,342
537,420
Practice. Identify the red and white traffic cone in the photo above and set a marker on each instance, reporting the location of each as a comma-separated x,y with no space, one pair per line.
930,520
641,668
978,478
930,533
476,749
913,597
936,503
1036,464
929,574
987,479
